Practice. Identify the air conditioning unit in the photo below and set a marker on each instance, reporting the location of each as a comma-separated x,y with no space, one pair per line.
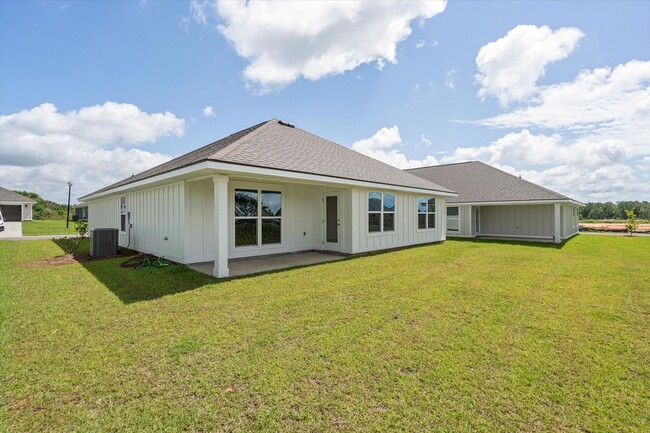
103,242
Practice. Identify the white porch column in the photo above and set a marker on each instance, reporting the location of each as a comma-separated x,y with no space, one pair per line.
557,224
220,226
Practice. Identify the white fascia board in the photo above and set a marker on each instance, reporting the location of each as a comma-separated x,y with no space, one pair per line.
518,202
15,203
317,178
231,169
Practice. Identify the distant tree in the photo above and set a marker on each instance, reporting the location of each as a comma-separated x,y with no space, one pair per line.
45,209
631,224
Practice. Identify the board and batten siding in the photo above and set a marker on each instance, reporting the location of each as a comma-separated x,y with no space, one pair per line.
105,214
465,221
406,223
569,221
157,221
524,221
155,216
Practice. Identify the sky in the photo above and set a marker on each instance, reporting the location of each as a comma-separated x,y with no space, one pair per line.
557,92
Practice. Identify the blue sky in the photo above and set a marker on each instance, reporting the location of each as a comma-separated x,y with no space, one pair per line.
96,91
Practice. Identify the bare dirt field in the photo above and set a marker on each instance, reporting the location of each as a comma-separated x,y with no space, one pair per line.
614,227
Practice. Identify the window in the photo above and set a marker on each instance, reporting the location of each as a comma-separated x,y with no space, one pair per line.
258,217
426,213
123,214
381,212
453,222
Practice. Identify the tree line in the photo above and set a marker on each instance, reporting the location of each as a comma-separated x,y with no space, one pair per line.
45,209
609,210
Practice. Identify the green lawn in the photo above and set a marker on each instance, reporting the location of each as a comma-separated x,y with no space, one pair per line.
47,227
462,336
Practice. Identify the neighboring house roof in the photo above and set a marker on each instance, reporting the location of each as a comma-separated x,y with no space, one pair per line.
277,145
477,182
7,195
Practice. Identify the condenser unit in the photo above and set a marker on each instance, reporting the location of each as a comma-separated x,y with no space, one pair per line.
103,242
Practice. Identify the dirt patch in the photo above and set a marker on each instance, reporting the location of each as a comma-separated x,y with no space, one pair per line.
68,259
614,227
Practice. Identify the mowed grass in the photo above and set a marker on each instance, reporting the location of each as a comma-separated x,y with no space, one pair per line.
461,336
47,227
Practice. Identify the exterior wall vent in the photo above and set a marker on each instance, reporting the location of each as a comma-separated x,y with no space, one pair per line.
103,242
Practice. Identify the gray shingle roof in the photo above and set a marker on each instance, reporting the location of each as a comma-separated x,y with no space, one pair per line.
7,195
476,181
275,145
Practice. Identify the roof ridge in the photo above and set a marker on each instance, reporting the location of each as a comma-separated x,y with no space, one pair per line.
222,153
440,165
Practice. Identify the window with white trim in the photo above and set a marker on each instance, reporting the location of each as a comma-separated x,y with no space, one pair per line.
123,213
258,217
426,213
453,219
381,212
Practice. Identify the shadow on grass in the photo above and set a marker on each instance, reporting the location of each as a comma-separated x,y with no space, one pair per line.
131,285
548,245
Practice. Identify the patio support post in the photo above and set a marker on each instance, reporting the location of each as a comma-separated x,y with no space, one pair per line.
220,226
557,224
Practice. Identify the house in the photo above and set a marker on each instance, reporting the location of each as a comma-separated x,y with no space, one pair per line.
15,207
493,203
80,212
269,189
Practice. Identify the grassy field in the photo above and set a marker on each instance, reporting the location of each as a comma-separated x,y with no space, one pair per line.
462,336
47,227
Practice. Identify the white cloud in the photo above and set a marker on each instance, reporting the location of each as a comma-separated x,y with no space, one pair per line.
93,147
382,146
425,140
524,148
510,67
449,80
612,104
583,168
420,44
285,41
208,111
593,139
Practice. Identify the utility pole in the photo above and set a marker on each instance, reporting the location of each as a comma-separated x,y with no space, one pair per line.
67,221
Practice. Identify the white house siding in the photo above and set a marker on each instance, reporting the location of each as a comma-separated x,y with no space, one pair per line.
104,213
519,221
302,217
406,223
569,221
155,214
465,222
157,221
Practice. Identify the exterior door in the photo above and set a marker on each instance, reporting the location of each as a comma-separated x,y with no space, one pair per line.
331,222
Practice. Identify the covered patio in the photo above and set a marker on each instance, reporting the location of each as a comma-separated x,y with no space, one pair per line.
259,264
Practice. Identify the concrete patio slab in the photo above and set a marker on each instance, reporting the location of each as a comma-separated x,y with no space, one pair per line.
256,265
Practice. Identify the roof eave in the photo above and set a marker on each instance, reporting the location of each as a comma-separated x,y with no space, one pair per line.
519,202
221,166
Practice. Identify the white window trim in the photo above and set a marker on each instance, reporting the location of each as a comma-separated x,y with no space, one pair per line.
123,212
259,217
381,213
427,213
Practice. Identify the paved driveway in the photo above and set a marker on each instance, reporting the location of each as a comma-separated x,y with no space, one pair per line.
12,230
